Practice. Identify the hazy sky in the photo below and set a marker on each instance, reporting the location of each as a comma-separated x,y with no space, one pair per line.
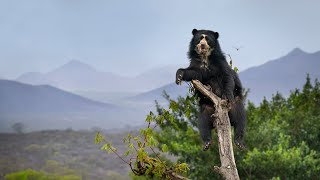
128,37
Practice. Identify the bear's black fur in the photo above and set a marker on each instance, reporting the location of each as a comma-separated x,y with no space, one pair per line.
208,65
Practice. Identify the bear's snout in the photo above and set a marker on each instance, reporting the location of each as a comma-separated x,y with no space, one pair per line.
203,47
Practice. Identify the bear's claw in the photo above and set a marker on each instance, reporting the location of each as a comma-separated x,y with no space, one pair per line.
179,79
240,145
206,146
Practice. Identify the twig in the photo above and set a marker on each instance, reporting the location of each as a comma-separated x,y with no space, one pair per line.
116,153
145,136
156,154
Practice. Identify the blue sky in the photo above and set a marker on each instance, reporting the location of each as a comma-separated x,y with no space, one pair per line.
129,37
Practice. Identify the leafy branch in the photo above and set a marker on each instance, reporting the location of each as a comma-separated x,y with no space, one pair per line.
137,154
230,63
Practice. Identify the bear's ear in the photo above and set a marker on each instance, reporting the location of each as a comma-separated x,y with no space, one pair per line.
216,34
194,31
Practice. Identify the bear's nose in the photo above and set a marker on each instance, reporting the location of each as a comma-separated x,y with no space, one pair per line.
203,46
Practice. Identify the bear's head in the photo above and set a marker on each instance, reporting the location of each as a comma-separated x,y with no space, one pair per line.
203,43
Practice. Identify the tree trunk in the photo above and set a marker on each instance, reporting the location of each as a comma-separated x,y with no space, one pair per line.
228,168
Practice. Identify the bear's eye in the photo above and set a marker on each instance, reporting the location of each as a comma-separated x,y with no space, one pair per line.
209,39
203,36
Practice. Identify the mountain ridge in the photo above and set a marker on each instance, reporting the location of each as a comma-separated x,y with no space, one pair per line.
282,74
46,107
78,76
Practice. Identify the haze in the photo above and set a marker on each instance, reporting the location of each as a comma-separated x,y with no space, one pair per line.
129,37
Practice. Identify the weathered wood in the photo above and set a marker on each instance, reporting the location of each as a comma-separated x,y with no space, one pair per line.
228,168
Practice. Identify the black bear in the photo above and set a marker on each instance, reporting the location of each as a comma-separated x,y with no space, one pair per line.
208,65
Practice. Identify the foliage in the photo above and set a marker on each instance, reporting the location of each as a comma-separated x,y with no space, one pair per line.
230,63
60,153
182,138
30,174
18,127
141,162
282,137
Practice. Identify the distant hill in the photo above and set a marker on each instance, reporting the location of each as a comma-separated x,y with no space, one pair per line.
157,94
19,98
74,76
157,77
46,107
77,76
282,75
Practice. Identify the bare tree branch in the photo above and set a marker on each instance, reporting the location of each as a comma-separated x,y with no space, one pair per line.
228,168
175,176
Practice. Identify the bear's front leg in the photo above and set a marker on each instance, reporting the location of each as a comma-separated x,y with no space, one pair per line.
179,76
187,75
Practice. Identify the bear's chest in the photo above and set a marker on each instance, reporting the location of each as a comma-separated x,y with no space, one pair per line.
204,64
207,68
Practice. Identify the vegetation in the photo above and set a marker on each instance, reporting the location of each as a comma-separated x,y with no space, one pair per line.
31,174
282,137
59,154
138,160
282,141
18,127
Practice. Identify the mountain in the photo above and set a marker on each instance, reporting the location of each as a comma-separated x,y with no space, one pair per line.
19,98
35,78
283,74
84,80
74,76
46,107
158,77
77,76
43,106
172,89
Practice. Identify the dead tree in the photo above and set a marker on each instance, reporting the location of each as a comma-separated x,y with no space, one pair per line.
228,168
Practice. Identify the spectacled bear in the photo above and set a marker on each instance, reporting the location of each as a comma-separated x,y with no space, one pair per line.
208,65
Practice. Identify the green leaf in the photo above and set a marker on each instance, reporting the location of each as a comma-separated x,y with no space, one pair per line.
149,132
160,119
149,168
149,118
143,132
173,106
152,142
98,138
182,167
171,119
188,113
164,148
236,69
131,146
105,147
142,154
127,153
